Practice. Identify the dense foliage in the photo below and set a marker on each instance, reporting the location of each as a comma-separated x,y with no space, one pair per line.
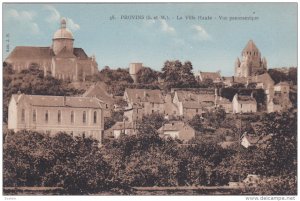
81,167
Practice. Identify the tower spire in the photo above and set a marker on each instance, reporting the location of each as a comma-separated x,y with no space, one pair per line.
63,23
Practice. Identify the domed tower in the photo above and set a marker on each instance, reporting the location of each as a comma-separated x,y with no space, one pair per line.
63,37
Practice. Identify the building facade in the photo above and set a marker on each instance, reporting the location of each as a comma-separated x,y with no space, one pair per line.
190,103
177,130
61,59
244,104
77,116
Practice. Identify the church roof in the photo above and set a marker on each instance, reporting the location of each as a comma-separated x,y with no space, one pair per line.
28,52
250,47
80,53
64,53
38,53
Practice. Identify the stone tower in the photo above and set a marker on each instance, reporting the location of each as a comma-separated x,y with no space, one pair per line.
134,68
63,37
251,61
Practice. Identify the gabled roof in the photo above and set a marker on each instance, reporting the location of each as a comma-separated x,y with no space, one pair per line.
210,75
80,53
38,53
184,96
64,53
145,95
28,52
264,78
174,126
98,90
197,105
58,101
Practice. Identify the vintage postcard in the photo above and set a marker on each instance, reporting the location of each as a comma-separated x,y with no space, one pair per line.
150,99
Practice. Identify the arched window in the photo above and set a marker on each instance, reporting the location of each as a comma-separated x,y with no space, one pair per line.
84,117
46,116
59,116
34,115
72,116
95,117
23,115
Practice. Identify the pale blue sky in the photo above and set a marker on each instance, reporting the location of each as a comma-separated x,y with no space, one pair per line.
210,45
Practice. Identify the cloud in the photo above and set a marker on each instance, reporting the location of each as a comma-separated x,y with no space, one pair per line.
24,19
72,25
165,27
54,17
201,33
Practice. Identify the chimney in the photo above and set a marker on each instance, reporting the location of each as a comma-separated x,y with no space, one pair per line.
232,78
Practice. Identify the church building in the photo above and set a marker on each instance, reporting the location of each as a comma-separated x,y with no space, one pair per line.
251,62
61,59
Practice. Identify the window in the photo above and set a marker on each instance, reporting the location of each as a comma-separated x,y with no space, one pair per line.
196,110
34,115
46,116
84,117
59,116
95,117
23,115
152,111
72,117
106,106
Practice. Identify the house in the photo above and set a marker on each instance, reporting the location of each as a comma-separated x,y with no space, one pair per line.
170,109
191,103
248,140
134,113
225,104
127,128
79,116
214,76
244,104
150,100
177,130
281,100
98,90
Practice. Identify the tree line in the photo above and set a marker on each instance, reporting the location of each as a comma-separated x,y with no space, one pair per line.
80,166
